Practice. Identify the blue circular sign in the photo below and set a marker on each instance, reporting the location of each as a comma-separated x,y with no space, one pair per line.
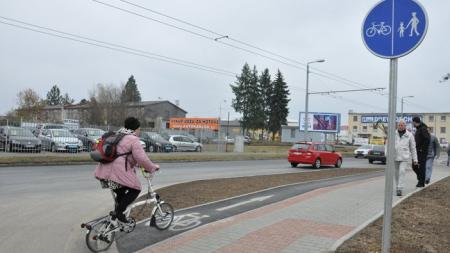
394,28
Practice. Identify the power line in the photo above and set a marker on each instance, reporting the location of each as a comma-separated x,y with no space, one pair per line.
295,65
355,84
113,46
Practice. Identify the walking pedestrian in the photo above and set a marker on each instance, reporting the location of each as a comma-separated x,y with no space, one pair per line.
434,151
422,138
405,150
448,153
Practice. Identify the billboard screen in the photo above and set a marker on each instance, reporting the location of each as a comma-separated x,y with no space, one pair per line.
321,122
194,123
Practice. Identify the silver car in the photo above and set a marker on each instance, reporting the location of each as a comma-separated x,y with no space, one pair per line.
60,140
184,143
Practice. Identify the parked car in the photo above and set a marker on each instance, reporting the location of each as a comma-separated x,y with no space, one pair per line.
150,144
247,140
60,140
363,151
41,127
377,154
316,154
161,144
184,143
19,139
88,136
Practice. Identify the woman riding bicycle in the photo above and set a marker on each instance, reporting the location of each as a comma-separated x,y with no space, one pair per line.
120,174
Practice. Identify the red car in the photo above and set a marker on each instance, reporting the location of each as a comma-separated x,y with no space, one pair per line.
316,154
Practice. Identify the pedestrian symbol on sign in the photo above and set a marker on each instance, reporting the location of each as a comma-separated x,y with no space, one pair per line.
414,22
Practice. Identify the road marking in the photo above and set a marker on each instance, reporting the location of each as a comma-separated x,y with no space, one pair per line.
187,221
244,203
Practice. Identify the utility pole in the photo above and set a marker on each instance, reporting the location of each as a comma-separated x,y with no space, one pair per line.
228,127
402,102
307,96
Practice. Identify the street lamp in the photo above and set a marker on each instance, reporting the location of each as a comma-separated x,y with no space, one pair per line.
307,95
403,101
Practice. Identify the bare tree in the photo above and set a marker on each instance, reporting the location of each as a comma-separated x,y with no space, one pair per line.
30,104
106,105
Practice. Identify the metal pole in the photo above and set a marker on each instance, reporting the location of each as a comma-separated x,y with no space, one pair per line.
306,102
402,107
389,172
228,127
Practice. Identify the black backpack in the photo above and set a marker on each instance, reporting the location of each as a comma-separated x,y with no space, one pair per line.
106,149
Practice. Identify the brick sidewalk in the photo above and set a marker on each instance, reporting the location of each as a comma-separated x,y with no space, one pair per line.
311,222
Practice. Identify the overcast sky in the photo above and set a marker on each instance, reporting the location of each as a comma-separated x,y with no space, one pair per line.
302,30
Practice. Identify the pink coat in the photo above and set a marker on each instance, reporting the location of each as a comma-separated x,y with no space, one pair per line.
115,171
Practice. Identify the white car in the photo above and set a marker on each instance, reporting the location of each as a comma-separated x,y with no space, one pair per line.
60,140
363,151
184,143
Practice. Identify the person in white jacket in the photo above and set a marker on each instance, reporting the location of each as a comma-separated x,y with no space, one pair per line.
405,151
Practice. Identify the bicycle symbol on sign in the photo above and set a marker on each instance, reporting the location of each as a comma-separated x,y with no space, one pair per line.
187,221
378,29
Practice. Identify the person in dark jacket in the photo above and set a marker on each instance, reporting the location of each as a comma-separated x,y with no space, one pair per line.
434,151
422,138
448,153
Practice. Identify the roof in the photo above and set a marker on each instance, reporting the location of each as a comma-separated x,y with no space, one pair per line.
131,104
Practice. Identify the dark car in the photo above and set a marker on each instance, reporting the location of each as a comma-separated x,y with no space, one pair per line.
88,136
159,143
19,139
150,144
377,154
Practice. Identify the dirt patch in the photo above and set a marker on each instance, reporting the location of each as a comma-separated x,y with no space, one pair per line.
421,223
203,191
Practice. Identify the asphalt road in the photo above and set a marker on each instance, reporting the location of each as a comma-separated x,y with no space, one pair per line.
42,207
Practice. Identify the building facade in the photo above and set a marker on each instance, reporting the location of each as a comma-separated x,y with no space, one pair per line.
152,114
362,125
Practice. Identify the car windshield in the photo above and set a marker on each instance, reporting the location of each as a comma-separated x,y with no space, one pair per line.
54,127
19,132
378,148
95,132
300,146
156,137
61,133
366,147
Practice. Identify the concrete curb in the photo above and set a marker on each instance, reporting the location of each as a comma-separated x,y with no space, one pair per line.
341,241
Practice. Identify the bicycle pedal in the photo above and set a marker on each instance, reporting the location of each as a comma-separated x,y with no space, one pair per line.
153,222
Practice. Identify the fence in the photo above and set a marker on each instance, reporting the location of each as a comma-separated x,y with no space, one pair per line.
37,137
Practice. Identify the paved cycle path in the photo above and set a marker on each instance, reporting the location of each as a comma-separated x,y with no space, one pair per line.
191,218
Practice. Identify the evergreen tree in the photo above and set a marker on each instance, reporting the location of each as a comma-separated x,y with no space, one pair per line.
266,88
240,102
66,100
256,102
279,104
130,92
54,96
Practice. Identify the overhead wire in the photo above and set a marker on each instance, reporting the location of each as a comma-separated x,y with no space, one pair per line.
112,46
296,64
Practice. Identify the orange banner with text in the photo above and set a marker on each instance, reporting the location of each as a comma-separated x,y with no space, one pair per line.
194,123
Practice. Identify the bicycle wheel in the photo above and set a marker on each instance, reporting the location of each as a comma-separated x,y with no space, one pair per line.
97,240
386,30
370,32
163,216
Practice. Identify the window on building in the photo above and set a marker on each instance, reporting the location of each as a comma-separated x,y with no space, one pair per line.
431,118
443,130
364,128
355,128
293,133
355,118
432,129
443,118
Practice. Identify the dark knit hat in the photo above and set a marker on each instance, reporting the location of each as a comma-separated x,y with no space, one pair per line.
416,119
132,123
